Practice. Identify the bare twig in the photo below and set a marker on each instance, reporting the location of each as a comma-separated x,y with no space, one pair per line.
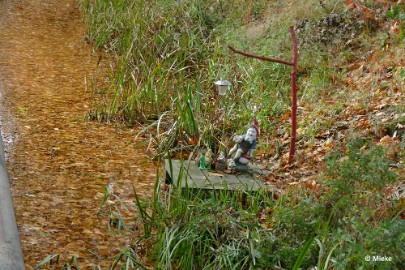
335,6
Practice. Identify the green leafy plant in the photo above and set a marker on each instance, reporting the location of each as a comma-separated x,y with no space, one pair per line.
365,166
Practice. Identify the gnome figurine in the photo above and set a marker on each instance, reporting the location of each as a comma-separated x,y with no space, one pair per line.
206,160
245,146
220,164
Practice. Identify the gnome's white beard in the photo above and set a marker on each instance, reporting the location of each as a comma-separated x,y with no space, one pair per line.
250,135
250,139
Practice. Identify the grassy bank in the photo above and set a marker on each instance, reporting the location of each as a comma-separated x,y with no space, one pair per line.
333,225
167,54
336,208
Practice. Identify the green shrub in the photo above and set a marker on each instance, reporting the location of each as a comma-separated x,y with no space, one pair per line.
365,168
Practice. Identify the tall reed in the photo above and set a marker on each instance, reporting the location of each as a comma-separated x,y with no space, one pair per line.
167,54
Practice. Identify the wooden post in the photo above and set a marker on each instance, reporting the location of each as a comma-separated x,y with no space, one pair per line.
294,89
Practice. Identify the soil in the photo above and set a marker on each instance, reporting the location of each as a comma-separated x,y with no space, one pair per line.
59,163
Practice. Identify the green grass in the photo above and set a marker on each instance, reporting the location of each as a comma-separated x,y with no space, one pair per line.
166,56
348,218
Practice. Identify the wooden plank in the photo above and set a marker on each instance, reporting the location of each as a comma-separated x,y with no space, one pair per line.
184,172
255,169
193,177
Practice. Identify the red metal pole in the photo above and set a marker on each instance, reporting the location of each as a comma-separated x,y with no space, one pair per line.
294,89
294,96
264,58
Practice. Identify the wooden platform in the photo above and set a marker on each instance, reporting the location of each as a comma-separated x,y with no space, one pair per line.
187,174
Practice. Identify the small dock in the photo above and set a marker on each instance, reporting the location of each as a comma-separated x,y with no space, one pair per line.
187,174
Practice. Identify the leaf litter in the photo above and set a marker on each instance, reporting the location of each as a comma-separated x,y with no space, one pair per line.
60,163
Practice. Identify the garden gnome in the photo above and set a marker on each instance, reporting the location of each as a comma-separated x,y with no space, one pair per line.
208,159
220,164
245,146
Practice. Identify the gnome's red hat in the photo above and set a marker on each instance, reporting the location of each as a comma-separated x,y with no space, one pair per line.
255,125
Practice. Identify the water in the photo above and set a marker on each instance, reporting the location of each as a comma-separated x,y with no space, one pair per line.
58,162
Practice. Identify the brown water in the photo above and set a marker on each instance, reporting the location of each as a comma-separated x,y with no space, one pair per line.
58,162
